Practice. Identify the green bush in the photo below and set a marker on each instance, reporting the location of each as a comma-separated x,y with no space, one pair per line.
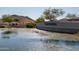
40,20
30,25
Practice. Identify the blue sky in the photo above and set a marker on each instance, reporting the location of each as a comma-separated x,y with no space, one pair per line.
34,12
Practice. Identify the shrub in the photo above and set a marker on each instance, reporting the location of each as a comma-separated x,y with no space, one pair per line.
30,25
40,20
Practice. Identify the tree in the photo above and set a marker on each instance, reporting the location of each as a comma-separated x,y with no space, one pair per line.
52,14
7,18
71,16
40,20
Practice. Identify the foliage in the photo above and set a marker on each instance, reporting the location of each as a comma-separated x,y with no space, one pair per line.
71,16
16,20
8,18
52,14
30,25
40,20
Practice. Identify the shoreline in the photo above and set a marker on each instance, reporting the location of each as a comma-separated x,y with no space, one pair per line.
49,35
59,36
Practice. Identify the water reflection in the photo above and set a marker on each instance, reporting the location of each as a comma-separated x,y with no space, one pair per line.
64,42
53,44
29,39
8,34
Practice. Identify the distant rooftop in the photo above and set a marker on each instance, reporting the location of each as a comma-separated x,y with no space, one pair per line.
75,19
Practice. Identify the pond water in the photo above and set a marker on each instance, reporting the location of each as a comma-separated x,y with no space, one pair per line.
36,40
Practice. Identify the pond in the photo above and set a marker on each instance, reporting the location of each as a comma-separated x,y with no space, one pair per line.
19,39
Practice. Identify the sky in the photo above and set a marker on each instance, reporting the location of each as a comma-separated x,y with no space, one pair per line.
34,12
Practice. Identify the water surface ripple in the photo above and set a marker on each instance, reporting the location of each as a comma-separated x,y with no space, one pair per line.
36,40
